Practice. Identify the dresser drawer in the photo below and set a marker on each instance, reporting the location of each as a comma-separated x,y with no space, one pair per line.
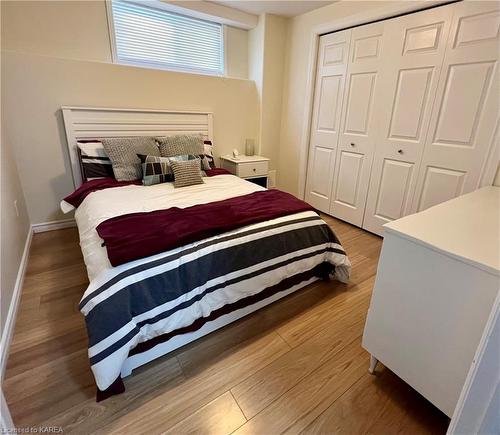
252,169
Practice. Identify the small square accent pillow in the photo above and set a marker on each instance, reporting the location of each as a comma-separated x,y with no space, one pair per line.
155,170
181,144
186,172
122,151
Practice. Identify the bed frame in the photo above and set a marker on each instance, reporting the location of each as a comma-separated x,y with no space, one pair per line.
94,123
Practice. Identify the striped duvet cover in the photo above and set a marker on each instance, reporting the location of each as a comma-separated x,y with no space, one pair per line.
148,298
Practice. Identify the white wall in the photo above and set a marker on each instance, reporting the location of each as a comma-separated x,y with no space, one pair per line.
236,52
496,181
479,402
275,32
79,30
266,52
66,29
14,229
35,87
58,53
256,69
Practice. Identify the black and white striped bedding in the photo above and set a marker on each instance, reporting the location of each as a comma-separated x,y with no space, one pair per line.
147,298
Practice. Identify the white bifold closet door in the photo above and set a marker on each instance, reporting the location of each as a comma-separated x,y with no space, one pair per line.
327,111
414,50
358,127
417,122
465,118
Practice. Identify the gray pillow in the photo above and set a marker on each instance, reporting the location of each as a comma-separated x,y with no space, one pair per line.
122,151
186,172
181,144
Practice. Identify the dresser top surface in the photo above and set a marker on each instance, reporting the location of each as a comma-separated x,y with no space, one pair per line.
467,227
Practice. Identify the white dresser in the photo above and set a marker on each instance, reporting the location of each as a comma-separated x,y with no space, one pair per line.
437,279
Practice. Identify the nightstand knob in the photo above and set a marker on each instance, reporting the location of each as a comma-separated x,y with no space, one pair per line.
254,169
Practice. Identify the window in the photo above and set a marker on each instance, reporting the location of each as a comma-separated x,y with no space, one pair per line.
158,38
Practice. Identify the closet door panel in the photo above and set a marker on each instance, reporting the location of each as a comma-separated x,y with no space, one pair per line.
325,125
410,101
350,167
394,189
329,99
465,115
440,185
321,162
415,46
422,39
458,115
359,102
358,129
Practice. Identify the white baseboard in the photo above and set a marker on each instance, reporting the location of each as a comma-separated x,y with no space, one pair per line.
14,303
54,225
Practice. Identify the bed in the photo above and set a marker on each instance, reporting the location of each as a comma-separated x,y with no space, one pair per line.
142,309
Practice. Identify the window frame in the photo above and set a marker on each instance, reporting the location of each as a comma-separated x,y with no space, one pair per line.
161,66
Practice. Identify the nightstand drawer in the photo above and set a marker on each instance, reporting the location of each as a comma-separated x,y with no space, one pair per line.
252,169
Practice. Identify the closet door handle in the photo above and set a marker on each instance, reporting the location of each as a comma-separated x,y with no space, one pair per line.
400,151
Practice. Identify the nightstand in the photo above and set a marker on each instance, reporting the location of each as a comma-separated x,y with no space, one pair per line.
251,168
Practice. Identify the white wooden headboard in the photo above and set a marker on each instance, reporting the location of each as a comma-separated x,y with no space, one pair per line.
98,122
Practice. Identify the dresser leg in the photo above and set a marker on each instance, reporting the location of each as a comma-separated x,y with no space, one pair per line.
373,364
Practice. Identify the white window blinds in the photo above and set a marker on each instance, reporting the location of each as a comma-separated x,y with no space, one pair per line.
160,39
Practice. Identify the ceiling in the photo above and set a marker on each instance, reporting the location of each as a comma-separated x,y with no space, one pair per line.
281,7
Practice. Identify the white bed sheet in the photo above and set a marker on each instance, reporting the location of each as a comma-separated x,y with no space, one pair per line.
105,204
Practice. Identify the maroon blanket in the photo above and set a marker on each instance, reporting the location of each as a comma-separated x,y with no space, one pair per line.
77,197
138,235
216,171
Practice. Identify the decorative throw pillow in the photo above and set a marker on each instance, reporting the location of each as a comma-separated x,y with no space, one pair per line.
94,161
181,144
185,157
186,172
208,160
123,151
191,157
155,170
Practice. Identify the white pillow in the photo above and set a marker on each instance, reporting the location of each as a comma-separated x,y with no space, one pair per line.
95,162
92,149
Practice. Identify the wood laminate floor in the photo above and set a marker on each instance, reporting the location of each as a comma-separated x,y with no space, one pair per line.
295,366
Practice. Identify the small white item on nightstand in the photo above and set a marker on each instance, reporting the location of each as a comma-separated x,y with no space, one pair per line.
236,153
